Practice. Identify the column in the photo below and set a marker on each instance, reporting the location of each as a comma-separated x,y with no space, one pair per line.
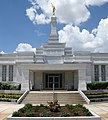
100,79
25,79
82,79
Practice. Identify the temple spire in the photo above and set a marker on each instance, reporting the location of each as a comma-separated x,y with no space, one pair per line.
53,38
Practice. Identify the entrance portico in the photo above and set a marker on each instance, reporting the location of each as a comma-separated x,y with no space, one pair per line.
64,76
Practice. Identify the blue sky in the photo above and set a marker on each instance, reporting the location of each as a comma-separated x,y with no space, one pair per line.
16,26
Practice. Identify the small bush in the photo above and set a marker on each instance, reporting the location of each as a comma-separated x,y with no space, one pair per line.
28,106
15,114
41,105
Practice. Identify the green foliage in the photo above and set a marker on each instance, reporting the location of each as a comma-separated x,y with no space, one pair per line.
69,106
41,105
45,114
15,114
8,96
97,85
5,99
8,86
65,114
29,113
28,106
78,110
41,111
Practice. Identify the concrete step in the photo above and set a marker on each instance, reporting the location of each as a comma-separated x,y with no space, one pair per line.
63,97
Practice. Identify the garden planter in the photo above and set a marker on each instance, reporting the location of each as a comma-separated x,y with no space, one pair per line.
53,112
94,117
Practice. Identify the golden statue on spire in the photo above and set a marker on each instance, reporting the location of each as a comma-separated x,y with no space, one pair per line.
53,7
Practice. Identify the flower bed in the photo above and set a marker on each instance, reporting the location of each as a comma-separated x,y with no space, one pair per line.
67,112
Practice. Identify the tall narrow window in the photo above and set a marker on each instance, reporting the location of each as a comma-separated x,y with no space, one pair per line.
96,72
103,73
4,72
10,72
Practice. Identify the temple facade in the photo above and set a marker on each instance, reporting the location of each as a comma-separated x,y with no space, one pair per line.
53,65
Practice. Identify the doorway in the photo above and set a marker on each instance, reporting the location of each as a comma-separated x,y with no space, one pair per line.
51,79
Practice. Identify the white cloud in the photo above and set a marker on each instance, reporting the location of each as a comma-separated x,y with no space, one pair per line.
31,13
22,47
83,40
41,19
95,2
2,52
67,11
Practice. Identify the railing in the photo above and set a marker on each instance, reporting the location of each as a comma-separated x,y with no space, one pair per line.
84,96
22,97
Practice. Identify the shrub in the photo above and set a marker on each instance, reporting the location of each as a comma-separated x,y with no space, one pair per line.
65,114
15,114
41,105
97,85
28,106
8,86
29,114
69,106
45,114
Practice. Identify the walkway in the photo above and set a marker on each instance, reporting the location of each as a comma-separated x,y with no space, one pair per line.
7,108
100,109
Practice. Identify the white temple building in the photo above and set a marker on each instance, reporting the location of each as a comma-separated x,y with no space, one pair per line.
53,64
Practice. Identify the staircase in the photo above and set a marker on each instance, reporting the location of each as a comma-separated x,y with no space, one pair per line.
63,97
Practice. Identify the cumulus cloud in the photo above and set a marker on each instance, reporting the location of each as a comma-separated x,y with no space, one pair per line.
2,52
67,11
95,2
22,47
72,12
31,13
95,41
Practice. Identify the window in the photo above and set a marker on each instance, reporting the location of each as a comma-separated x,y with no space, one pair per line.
10,72
4,69
96,72
103,73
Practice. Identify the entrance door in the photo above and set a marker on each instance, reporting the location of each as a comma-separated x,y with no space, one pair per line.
55,79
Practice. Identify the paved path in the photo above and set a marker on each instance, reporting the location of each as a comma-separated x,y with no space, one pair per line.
7,108
100,109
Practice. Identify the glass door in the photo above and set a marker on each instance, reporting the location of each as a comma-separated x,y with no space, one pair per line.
55,79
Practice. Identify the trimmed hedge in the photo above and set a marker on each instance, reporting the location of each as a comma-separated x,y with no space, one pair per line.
8,86
9,96
5,99
97,85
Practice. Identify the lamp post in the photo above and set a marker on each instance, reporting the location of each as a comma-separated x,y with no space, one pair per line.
53,91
